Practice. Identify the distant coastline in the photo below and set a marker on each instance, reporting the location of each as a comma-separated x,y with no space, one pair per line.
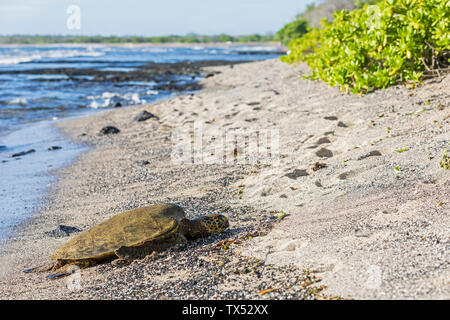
167,45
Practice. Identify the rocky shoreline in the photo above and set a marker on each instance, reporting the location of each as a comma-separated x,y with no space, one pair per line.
165,75
317,214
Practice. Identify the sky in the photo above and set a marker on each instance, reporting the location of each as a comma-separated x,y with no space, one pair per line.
146,17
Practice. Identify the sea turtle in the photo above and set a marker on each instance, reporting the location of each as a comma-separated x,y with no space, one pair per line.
130,235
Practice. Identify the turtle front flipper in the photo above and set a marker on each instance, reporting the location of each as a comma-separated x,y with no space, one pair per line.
69,268
140,251
44,268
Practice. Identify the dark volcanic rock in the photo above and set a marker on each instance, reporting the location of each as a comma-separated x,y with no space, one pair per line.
341,124
164,74
109,130
62,231
53,148
22,153
144,115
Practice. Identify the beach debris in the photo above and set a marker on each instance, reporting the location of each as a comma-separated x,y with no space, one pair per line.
445,163
62,231
23,153
374,153
226,243
294,188
109,130
331,118
401,150
151,229
297,173
53,148
397,169
341,124
145,115
440,204
280,215
318,166
265,291
324,153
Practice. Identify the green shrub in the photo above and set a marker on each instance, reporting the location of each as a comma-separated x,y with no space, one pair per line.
394,41
291,31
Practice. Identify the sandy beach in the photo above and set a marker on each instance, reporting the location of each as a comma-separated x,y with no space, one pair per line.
354,205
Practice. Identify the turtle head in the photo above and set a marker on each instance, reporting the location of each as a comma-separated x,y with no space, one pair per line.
204,226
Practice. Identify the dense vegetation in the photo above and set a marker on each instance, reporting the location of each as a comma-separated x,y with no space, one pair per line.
394,41
189,38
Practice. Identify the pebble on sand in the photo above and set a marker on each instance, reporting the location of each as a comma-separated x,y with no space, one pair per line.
53,148
109,130
62,231
144,115
22,153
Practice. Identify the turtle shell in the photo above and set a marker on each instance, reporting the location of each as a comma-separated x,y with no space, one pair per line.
129,228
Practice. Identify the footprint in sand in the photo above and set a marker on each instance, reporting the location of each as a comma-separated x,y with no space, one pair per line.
324,153
323,140
297,173
351,174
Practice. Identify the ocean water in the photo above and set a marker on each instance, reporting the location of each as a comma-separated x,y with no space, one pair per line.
28,95
31,100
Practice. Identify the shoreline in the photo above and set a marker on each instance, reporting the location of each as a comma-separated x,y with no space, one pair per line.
27,177
324,206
